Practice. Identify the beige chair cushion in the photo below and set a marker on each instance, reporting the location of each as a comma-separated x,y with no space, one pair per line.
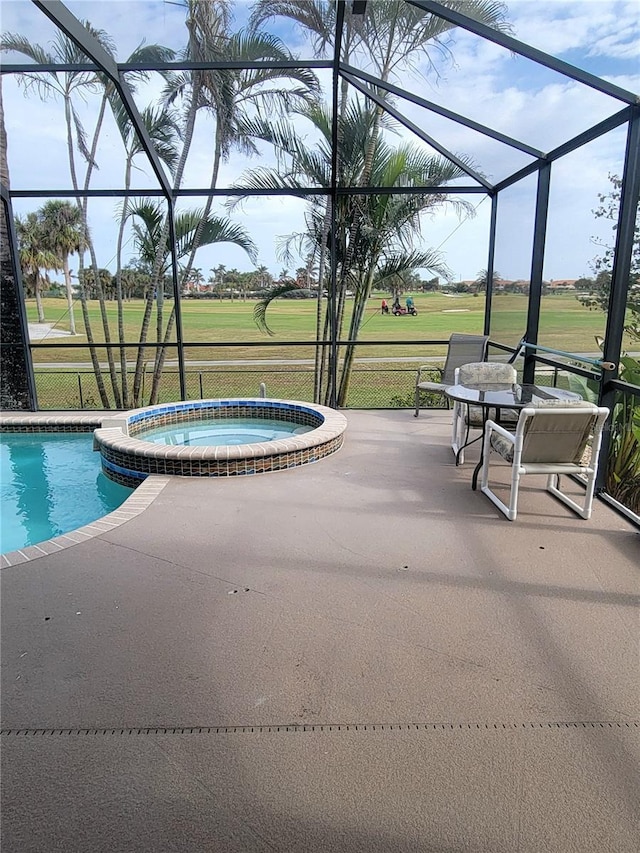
486,374
502,446
551,438
475,418
563,438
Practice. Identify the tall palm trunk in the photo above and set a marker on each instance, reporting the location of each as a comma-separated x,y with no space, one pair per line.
120,240
159,365
97,370
161,351
349,242
65,260
341,287
156,275
319,358
365,180
69,291
146,318
217,158
326,360
37,286
94,263
359,308
323,355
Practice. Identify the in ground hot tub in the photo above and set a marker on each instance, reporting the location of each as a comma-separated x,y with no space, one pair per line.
130,452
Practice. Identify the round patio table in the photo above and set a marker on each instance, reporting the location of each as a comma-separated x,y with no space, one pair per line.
499,397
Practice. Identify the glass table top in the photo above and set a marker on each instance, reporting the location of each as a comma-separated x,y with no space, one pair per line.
510,396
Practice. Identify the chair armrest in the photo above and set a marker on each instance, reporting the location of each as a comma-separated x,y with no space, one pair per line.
428,368
492,426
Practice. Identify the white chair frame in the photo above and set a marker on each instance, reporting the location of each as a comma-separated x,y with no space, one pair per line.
495,373
553,469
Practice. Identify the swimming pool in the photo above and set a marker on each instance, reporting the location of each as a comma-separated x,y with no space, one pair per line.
51,483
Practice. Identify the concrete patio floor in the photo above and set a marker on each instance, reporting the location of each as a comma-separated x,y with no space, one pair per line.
357,655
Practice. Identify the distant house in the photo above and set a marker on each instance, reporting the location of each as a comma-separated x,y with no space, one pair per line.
505,285
562,284
512,286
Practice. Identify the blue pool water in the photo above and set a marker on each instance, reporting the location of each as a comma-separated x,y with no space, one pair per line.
225,431
51,483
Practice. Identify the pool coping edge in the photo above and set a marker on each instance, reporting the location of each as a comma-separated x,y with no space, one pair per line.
143,497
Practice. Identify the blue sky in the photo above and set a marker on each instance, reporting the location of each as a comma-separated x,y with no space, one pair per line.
484,82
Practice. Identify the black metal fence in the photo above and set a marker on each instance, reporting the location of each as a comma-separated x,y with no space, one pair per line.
373,386
380,388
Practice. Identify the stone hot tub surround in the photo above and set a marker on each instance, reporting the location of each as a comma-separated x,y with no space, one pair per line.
128,459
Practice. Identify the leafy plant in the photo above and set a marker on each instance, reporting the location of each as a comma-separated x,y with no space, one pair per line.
623,466
598,297
623,463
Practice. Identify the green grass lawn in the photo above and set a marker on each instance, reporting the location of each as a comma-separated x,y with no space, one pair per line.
564,324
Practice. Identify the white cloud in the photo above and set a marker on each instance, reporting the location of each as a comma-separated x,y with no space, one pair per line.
597,27
486,83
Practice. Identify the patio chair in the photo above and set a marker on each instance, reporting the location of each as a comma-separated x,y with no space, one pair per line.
462,349
551,438
492,376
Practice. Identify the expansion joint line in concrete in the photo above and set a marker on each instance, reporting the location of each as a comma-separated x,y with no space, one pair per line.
296,728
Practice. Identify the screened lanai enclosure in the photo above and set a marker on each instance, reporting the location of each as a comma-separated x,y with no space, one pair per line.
200,198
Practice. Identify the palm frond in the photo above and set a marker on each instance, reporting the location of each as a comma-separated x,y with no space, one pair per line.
221,230
102,36
395,33
316,16
81,139
21,44
164,131
267,179
148,54
290,248
150,212
213,229
260,308
175,86
394,264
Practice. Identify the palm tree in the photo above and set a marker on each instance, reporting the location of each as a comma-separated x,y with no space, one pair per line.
319,19
63,84
142,54
163,129
66,85
149,233
391,36
148,224
264,277
395,34
63,234
376,234
482,277
162,138
206,23
70,85
219,275
196,277
34,257
233,95
230,95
